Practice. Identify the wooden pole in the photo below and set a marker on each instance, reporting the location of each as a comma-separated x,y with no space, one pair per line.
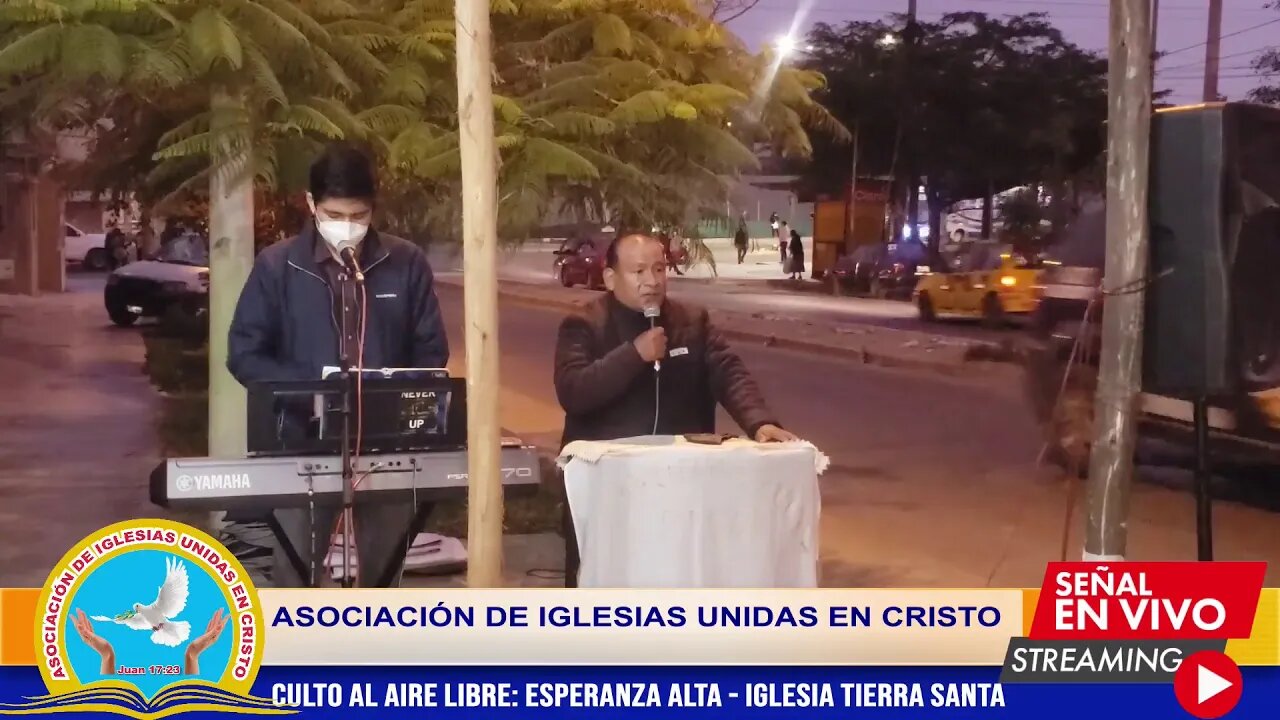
1120,371
853,193
1212,51
480,292
230,260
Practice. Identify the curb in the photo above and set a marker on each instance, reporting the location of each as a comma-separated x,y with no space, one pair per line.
861,355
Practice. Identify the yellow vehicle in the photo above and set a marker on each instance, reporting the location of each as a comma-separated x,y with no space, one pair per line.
985,280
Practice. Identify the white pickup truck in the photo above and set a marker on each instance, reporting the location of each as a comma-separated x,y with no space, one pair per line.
88,250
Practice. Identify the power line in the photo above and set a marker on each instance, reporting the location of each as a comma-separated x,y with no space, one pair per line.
1200,63
1202,43
1241,76
1100,4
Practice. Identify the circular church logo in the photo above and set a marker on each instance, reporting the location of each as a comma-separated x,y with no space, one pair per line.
149,617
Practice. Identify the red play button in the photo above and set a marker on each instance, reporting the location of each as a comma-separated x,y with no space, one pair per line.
1208,684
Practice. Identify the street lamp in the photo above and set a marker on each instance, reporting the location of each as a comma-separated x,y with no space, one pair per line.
788,45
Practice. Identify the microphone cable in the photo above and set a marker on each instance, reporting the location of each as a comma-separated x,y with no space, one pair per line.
340,522
652,314
657,398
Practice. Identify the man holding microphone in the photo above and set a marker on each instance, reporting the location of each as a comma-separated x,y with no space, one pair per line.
637,363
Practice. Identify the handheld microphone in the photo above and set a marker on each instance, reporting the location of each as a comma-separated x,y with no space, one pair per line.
652,313
348,256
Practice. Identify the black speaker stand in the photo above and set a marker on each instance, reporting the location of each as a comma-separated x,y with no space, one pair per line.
1203,478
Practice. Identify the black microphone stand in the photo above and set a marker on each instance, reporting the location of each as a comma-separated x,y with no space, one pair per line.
348,469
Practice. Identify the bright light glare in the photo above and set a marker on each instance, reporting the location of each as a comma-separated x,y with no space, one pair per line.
786,44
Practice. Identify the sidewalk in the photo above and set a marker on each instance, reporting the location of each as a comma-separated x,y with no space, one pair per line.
78,440
860,343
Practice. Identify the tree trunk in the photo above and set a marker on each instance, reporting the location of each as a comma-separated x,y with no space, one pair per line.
480,292
230,259
913,205
936,207
988,212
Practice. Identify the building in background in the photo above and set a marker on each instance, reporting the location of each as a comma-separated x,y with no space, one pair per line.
31,219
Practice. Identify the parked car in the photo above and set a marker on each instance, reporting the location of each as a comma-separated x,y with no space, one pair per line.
881,270
177,278
88,250
580,260
984,280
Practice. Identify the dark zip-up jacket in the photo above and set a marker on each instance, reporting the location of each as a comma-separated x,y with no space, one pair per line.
284,326
607,391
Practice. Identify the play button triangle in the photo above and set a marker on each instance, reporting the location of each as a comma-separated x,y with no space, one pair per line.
1209,684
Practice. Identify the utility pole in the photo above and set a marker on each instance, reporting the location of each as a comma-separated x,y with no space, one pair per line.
853,192
1212,51
1120,371
480,291
911,39
1155,44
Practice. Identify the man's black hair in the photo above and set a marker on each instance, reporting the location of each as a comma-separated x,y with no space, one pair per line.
611,255
343,171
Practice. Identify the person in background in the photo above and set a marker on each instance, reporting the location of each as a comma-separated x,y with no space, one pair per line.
740,240
797,255
605,379
784,235
286,327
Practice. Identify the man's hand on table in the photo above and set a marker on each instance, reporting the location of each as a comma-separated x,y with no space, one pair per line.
773,433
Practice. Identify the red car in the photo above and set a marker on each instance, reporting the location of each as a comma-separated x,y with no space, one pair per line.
581,261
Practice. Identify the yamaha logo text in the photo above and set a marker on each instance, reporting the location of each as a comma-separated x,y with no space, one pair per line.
228,481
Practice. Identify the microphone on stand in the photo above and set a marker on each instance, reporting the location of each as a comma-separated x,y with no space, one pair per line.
348,255
652,313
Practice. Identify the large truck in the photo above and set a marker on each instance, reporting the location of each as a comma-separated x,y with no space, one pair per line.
1225,195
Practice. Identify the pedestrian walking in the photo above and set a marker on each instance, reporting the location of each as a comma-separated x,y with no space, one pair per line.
740,241
784,232
796,265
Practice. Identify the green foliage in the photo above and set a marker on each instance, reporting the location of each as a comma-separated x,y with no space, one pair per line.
979,102
1022,217
1267,65
638,111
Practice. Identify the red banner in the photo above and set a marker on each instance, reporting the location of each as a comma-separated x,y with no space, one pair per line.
1148,601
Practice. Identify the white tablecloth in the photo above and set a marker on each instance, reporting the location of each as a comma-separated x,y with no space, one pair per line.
663,512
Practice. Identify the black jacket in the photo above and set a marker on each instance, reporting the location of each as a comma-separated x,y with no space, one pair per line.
608,392
284,326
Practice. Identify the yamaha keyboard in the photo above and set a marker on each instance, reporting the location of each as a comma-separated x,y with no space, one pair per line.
259,483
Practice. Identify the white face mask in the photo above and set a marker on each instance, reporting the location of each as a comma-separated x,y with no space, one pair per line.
341,233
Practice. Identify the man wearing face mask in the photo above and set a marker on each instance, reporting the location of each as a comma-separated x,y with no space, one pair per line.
287,324
605,374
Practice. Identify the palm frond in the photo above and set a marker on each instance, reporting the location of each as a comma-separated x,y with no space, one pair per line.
611,36
388,120
92,50
647,106
265,80
32,51
578,124
266,23
212,37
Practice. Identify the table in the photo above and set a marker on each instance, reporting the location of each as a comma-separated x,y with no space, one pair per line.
661,511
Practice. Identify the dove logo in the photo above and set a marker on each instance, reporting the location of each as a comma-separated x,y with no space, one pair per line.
148,608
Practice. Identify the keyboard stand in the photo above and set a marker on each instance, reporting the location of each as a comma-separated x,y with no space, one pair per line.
390,570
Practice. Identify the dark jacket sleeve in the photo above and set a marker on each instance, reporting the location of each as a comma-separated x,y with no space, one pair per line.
585,383
253,343
429,344
732,385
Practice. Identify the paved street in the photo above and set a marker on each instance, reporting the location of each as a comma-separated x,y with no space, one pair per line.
744,291
933,479
932,484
